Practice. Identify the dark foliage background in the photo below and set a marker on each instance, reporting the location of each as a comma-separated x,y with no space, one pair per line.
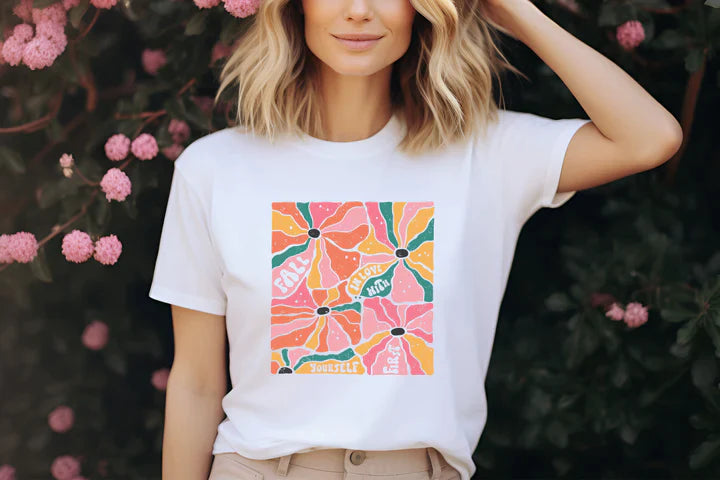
571,393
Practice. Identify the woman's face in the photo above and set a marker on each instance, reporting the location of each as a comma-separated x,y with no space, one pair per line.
390,21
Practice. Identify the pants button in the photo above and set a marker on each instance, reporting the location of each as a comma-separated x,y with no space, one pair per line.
357,457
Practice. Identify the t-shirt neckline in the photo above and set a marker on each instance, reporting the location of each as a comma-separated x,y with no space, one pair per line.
383,140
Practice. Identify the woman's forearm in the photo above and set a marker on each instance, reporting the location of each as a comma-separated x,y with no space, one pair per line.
191,419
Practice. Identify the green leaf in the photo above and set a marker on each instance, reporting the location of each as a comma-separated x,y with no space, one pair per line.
116,362
559,302
76,13
677,315
705,453
101,211
704,370
713,3
687,332
130,206
43,3
557,434
11,160
197,24
628,434
55,190
40,268
669,39
693,60
714,333
620,374
39,440
703,421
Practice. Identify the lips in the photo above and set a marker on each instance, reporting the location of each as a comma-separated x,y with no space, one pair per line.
358,41
358,36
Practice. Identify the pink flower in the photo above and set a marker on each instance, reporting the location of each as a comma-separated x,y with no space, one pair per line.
7,472
23,247
570,5
55,33
108,249
117,147
601,299
153,60
77,246
23,10
40,52
160,378
14,46
116,185
635,314
5,254
23,32
65,467
55,13
630,34
220,50
179,130
61,419
12,51
66,160
206,3
203,102
103,3
102,467
173,151
242,8
68,4
615,312
145,146
95,335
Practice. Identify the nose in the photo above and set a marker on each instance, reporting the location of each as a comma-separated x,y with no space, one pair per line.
359,10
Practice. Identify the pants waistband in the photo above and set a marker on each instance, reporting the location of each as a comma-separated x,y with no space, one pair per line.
378,462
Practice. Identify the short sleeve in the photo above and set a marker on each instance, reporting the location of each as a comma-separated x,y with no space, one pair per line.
187,269
532,151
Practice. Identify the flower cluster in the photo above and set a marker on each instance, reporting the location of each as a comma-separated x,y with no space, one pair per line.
236,8
630,34
38,47
78,247
634,314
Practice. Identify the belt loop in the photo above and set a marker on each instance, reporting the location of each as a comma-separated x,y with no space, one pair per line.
435,462
283,465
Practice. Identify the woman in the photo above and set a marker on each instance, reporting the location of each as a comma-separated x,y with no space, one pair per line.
354,239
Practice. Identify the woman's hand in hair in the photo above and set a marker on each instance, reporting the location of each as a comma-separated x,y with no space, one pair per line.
501,14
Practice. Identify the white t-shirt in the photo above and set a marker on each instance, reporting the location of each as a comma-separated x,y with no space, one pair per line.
361,286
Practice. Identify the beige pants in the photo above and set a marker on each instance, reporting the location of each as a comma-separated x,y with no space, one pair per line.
337,464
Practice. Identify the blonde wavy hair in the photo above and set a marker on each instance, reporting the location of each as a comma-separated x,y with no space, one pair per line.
441,87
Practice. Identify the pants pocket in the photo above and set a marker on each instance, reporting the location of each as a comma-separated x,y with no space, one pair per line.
229,466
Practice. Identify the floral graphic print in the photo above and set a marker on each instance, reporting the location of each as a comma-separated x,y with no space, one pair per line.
352,287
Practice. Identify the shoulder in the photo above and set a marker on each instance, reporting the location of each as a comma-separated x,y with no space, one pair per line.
512,128
199,161
497,127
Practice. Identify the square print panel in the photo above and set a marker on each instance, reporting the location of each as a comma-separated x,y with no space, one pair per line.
352,288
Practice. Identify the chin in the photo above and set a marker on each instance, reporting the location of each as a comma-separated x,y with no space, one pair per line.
358,67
